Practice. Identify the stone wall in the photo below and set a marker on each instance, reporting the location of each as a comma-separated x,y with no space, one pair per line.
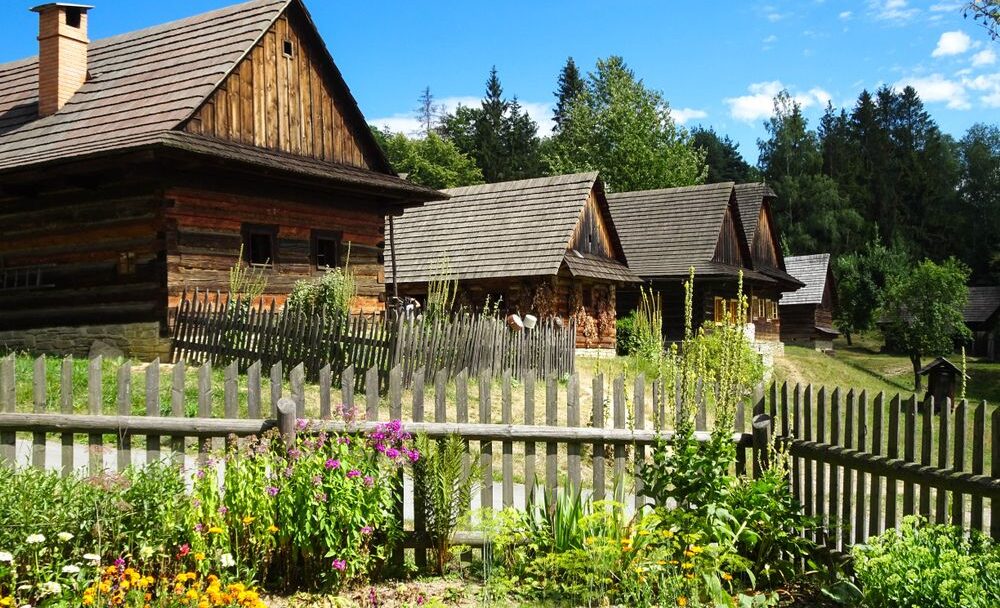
140,341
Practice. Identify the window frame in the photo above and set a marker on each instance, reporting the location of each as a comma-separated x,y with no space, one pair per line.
326,235
247,231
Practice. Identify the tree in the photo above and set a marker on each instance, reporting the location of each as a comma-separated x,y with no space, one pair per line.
430,161
986,13
428,112
922,310
499,135
979,201
624,130
722,155
570,86
861,280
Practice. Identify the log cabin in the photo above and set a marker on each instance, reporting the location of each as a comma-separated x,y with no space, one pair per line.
807,314
666,232
546,247
982,316
755,202
138,166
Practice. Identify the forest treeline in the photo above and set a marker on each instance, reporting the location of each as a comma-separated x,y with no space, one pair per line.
880,173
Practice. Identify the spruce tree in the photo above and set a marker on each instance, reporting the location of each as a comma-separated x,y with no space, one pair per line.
570,87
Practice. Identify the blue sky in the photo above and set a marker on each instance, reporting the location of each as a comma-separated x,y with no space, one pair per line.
717,63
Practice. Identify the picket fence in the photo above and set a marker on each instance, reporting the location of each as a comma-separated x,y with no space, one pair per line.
213,327
847,467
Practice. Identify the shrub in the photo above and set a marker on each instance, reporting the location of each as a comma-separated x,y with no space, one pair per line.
444,490
931,566
626,342
330,295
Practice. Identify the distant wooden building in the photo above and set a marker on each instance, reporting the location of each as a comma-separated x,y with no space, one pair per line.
754,202
982,316
546,247
807,314
666,232
134,167
943,380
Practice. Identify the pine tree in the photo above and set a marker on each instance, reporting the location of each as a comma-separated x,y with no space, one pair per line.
722,155
428,112
570,86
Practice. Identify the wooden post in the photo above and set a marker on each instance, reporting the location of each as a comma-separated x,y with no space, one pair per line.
507,447
124,409
66,407
958,462
892,449
821,516
995,472
254,410
485,447
529,446
875,521
640,424
177,447
978,451
40,400
286,421
761,429
573,421
598,423
297,383
8,439
204,408
153,408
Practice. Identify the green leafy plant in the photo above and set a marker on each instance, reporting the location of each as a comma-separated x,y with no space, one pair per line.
444,488
927,565
331,295
441,293
246,281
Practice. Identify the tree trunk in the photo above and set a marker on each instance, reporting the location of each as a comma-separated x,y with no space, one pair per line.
847,335
915,359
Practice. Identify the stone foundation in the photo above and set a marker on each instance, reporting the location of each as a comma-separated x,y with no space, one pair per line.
596,353
140,341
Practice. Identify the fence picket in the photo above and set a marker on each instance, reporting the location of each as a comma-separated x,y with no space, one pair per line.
943,436
507,463
958,462
204,408
640,424
926,450
177,379
875,518
297,386
529,446
892,447
485,446
124,401
821,516
551,447
66,407
833,509
618,413
978,450
40,400
847,487
909,450
419,520
153,408
8,439
598,423
860,489
995,473
254,390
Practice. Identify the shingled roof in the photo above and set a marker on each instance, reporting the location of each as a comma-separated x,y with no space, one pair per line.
984,302
142,87
750,198
665,232
811,270
509,229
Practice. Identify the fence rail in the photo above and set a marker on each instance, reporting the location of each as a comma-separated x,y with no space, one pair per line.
857,468
215,328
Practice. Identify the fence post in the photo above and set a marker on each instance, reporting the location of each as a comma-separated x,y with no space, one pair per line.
286,421
761,426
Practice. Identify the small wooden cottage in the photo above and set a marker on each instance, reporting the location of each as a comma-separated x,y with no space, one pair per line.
666,232
982,316
754,201
136,166
807,314
546,247
943,381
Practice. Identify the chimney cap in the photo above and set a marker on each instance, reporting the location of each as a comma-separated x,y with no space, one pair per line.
42,7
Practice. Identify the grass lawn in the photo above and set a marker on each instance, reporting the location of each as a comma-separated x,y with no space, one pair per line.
863,366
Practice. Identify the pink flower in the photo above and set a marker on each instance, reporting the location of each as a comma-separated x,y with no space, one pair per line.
301,424
367,530
369,481
353,473
339,564
272,491
332,463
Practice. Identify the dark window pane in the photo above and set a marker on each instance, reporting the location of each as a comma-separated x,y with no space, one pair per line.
260,248
327,252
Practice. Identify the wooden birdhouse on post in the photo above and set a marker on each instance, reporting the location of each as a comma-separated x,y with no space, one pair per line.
942,378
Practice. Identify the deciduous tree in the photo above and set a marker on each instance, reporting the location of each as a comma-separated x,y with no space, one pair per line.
430,161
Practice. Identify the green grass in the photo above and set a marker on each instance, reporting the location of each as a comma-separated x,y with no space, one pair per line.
863,366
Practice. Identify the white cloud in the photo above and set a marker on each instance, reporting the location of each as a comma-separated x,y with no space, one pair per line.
984,57
938,89
408,124
952,43
845,15
770,39
945,7
759,103
892,10
684,115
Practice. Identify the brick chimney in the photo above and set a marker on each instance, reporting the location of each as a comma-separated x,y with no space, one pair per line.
62,53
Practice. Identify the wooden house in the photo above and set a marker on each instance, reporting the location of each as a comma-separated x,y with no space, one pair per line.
982,316
135,167
807,314
666,232
546,247
754,202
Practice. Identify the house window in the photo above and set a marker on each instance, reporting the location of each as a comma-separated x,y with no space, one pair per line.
260,244
720,310
326,249
73,16
288,48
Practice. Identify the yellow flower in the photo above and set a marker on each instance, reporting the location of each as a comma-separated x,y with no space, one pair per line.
682,601
726,576
687,565
215,530
696,549
199,557
668,534
272,528
643,532
248,520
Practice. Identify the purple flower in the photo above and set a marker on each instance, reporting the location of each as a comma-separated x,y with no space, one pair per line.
321,497
321,439
301,424
288,471
199,528
200,474
317,480
344,440
353,473
369,481
339,564
413,455
367,530
392,453
294,453
332,463
223,510
120,562
272,491
196,503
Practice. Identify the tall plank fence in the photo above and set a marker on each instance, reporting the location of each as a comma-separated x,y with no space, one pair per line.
215,328
857,466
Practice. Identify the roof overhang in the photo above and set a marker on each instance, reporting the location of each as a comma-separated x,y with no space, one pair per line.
583,265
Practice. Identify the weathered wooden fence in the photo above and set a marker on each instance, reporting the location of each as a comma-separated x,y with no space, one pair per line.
476,343
861,462
214,328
